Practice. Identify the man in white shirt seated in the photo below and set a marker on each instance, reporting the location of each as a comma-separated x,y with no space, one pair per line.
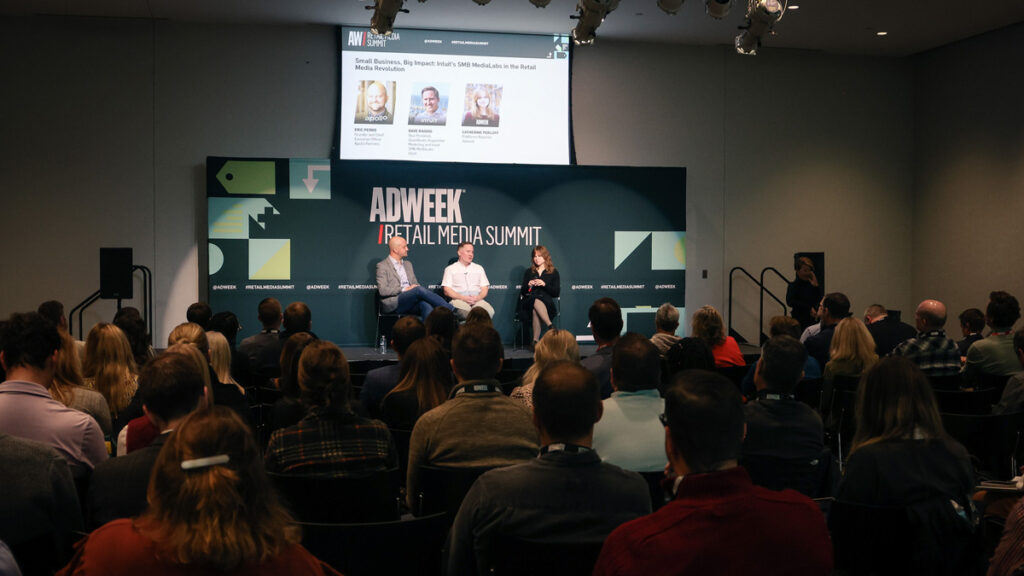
466,283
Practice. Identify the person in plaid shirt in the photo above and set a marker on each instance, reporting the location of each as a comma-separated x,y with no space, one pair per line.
331,440
931,350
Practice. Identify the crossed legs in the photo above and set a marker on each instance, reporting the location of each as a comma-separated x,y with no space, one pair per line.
541,320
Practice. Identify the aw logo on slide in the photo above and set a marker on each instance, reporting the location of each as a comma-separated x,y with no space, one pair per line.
668,249
356,38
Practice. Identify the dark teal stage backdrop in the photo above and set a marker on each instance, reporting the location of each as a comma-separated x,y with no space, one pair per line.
314,229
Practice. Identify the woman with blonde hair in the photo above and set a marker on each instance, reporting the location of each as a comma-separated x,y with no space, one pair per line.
540,287
554,346
212,509
68,386
109,366
425,382
224,394
480,109
331,440
851,353
707,324
220,359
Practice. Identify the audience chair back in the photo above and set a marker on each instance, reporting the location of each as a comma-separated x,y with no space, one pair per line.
966,401
735,374
371,497
951,382
993,440
659,495
515,556
808,391
813,477
442,488
407,546
401,438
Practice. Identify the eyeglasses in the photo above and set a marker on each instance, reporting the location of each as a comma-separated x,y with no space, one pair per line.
664,420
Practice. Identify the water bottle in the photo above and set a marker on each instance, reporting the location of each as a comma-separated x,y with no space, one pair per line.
382,346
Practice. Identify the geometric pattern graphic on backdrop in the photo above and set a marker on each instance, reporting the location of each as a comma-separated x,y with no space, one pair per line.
230,217
309,179
247,177
668,249
270,259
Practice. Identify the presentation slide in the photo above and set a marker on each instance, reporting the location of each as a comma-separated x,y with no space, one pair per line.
313,230
441,96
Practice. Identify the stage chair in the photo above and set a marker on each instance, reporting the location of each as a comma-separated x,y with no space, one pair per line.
517,556
966,401
813,477
521,332
994,439
442,488
370,497
407,546
381,317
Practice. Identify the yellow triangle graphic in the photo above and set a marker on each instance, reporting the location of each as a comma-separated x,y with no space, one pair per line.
278,266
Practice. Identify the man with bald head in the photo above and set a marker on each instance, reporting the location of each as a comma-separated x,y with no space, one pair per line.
931,350
397,286
376,100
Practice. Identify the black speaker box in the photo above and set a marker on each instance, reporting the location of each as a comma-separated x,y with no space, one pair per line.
116,273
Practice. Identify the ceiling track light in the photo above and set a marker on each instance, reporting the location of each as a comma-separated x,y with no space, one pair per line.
717,9
540,3
384,12
591,15
670,6
480,2
761,17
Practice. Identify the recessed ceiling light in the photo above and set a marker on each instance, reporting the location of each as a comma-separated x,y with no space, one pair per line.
794,7
881,33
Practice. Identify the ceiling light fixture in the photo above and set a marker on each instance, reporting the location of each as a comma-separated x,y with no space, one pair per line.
717,9
670,6
384,12
540,3
881,33
761,17
591,15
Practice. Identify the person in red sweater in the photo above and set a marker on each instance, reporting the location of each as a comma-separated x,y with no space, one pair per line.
708,325
718,522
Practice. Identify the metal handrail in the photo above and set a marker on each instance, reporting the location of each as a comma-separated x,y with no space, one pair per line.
81,309
147,303
760,284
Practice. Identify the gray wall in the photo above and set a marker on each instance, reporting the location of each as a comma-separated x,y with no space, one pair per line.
107,128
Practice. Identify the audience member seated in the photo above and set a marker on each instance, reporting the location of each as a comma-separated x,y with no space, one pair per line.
297,318
171,387
666,322
68,386
779,425
380,381
886,330
554,346
782,326
1013,395
478,426
53,310
331,440
289,409
834,307
902,456
227,324
605,324
30,352
688,354
1009,556
709,327
931,350
567,494
718,522
994,355
425,385
262,351
38,496
972,322
211,510
852,353
220,360
199,313
229,395
442,324
109,367
130,321
629,434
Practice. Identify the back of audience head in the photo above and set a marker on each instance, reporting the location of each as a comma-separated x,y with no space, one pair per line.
690,353
1002,311
198,359
110,362
667,318
781,365
171,386
566,402
425,368
708,326
837,305
200,313
605,320
227,324
220,357
704,414
29,340
68,372
269,313
478,315
972,321
1018,345
443,325
53,311
291,351
635,364
554,346
477,353
190,333
297,318
784,326
324,377
407,330
853,343
895,402
219,515
930,315
130,321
